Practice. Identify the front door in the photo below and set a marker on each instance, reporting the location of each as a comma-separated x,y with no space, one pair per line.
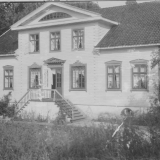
57,81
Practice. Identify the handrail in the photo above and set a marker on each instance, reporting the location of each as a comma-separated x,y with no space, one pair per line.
66,102
23,96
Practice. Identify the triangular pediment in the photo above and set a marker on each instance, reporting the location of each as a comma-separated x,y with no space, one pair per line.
52,12
54,61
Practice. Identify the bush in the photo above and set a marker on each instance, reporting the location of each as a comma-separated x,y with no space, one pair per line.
5,108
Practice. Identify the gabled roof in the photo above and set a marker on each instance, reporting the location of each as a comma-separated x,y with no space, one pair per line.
8,42
139,25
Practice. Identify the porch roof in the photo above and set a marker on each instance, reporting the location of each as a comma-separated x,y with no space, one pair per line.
54,61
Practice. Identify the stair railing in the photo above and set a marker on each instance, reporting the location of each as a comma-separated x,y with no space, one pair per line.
65,101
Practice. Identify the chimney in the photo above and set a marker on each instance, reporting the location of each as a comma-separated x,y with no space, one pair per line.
129,2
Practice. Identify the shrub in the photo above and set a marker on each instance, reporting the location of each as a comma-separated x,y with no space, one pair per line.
5,108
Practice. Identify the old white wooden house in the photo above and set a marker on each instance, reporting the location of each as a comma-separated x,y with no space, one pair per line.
95,61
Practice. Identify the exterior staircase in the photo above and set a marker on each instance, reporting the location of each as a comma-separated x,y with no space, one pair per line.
71,111
65,105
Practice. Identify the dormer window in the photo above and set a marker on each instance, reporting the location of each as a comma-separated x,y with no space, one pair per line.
55,16
78,39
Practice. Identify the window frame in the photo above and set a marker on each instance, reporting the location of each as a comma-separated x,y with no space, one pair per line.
114,63
78,64
55,38
78,49
30,43
139,63
33,66
8,67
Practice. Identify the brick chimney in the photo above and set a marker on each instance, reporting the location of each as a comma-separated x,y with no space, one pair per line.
129,2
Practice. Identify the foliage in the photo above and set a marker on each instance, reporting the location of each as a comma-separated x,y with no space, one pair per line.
27,141
5,108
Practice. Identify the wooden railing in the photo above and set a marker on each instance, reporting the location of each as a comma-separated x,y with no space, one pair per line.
39,94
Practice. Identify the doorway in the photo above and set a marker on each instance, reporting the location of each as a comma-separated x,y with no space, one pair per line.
56,80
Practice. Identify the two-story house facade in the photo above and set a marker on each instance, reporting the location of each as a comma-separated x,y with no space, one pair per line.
88,58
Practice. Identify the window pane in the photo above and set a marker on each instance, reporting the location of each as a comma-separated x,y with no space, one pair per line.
116,69
75,42
117,81
80,42
6,83
6,72
143,68
32,46
11,82
52,44
37,46
135,69
57,35
75,33
110,69
37,37
52,35
11,72
78,77
110,81
135,81
32,37
34,78
143,81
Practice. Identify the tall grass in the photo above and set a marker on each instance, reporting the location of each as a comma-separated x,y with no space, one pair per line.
35,142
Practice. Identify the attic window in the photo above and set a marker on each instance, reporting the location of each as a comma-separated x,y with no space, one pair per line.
56,15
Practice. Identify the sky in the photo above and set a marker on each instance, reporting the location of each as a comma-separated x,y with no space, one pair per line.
104,4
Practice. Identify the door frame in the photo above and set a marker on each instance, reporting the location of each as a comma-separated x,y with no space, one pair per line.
62,78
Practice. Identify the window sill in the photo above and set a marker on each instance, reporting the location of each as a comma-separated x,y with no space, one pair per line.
54,51
78,49
141,90
113,90
8,89
78,90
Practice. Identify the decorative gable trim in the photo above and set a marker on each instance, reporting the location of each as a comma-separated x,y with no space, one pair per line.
8,66
55,15
139,61
78,63
113,62
54,61
59,4
35,65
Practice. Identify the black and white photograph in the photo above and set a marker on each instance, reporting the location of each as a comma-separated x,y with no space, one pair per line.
80,80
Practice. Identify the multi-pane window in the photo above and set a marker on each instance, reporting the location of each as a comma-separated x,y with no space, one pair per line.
34,43
113,77
55,41
78,39
78,77
35,77
8,78
139,76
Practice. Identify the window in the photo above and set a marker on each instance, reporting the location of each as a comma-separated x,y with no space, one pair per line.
54,16
34,43
34,76
78,39
55,41
113,75
139,76
78,76
8,77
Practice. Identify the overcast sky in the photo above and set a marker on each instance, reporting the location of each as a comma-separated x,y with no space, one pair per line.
104,4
